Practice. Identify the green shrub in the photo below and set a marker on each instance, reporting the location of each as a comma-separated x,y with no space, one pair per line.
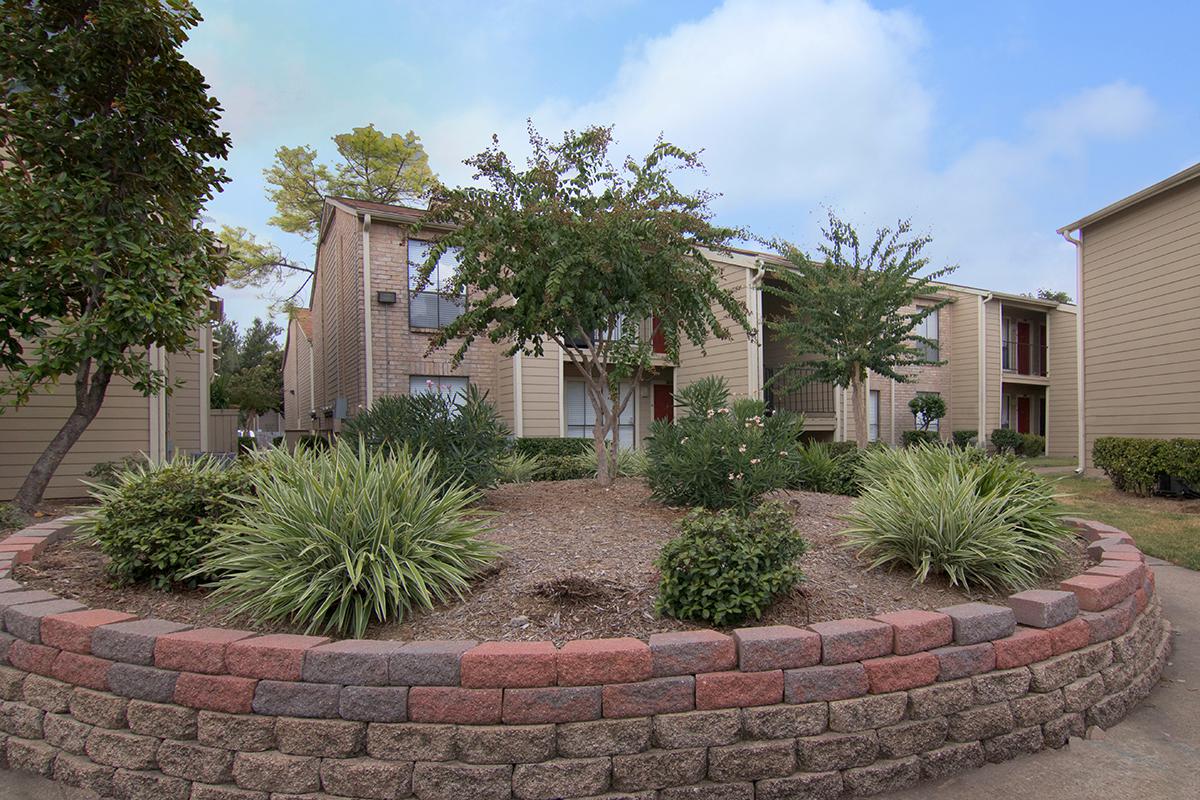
721,455
914,438
246,444
1032,445
152,520
12,518
547,446
349,536
515,467
829,467
1006,440
630,463
1137,465
106,472
723,567
964,439
565,468
468,438
316,441
983,521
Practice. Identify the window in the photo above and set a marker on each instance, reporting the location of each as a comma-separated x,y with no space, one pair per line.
873,416
436,384
920,418
434,306
581,416
928,328
597,335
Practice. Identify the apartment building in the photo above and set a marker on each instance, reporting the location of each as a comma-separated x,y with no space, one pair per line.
300,409
1138,263
1009,359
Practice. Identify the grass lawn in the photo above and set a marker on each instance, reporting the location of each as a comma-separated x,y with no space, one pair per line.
1162,527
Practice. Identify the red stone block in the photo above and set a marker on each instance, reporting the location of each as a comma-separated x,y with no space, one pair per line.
22,553
81,670
965,660
552,704
198,650
1140,600
1024,647
73,631
227,693
776,647
1069,636
900,673
738,689
1125,555
692,652
668,695
917,631
496,665
454,705
813,684
1149,586
1132,573
28,657
591,662
1105,625
846,640
278,656
1096,592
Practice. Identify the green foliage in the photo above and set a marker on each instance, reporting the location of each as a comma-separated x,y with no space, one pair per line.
927,408
348,536
723,567
576,251
566,468
964,439
721,455
517,467
107,472
468,438
1006,440
848,314
828,467
314,441
550,446
1032,445
246,444
914,438
152,520
110,146
1135,465
1050,294
249,367
629,463
983,521
12,518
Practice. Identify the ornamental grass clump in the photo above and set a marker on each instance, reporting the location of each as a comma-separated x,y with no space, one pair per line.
342,538
982,521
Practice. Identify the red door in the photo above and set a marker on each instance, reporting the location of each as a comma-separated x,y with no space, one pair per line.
664,404
1022,415
1023,350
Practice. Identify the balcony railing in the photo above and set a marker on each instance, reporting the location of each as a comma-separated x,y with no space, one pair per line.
1027,358
815,399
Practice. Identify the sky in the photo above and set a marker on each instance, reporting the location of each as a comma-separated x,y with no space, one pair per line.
988,125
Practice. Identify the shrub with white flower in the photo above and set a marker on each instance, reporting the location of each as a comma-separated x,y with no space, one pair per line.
721,454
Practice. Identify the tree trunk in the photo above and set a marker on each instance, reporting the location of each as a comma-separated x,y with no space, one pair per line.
603,476
89,396
859,399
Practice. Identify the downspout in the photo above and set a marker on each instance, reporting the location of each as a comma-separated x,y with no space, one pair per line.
754,298
312,387
1081,437
368,344
892,410
981,437
206,366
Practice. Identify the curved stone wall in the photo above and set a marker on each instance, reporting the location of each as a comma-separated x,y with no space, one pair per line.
147,708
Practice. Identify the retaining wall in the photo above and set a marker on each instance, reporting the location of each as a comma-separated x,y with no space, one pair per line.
146,708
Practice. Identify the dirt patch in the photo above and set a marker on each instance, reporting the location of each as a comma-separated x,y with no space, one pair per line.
49,509
579,563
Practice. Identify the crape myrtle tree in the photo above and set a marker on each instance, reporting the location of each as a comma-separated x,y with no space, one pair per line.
854,310
107,143
578,252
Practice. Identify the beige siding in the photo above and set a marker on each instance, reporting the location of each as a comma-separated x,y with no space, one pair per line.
727,357
541,393
184,404
1062,428
963,402
504,392
993,311
1141,291
337,313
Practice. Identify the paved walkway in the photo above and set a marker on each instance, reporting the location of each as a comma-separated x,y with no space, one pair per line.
1152,755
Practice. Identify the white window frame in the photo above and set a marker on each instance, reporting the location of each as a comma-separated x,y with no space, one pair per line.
582,427
446,307
873,415
453,386
930,328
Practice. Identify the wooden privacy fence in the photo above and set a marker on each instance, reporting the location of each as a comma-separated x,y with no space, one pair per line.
222,430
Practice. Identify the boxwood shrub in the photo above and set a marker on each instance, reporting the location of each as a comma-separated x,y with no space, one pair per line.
1137,465
964,438
550,446
1006,440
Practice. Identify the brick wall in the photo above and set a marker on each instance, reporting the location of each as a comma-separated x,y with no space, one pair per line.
145,708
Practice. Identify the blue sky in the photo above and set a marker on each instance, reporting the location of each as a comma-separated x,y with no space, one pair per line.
989,125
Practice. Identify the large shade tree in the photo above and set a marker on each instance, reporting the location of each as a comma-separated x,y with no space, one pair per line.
107,143
594,258
855,310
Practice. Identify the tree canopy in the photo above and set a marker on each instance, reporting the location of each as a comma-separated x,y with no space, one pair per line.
1053,295
249,367
855,310
109,139
594,258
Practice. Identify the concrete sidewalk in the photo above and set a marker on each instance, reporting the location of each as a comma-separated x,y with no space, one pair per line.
1153,755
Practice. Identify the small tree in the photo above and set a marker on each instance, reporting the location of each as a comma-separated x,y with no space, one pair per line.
107,138
854,311
926,410
575,251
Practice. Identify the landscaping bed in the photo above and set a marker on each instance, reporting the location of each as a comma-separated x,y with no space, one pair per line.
579,563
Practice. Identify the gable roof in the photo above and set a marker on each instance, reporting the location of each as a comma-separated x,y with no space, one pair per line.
303,318
1178,179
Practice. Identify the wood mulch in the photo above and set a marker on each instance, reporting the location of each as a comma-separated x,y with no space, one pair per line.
578,564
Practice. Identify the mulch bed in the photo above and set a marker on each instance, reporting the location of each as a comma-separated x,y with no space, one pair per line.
578,564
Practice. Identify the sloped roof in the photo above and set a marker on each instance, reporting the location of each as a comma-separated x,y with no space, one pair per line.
1178,179
303,318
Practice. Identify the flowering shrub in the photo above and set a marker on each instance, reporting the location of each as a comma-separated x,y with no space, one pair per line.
721,454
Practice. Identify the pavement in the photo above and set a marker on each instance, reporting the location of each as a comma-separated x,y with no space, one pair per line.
1154,754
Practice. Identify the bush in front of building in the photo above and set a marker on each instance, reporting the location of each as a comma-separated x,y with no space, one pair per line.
550,446
720,454
151,520
1006,440
1032,445
982,521
826,467
964,439
724,567
914,438
465,432
1138,465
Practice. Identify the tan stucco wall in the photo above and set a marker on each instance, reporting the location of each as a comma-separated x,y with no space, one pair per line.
1141,295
